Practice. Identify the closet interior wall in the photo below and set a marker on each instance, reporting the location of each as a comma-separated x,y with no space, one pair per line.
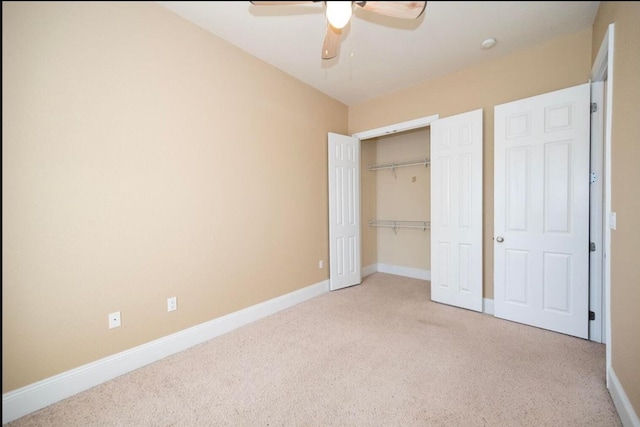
398,194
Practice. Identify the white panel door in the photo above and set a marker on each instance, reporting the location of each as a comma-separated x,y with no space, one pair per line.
541,271
456,210
344,211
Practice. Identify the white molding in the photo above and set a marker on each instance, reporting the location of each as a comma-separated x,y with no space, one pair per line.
33,397
623,405
369,269
487,303
603,69
397,127
596,217
607,191
600,65
398,270
487,306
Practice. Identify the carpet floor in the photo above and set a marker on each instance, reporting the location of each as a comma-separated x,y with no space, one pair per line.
377,354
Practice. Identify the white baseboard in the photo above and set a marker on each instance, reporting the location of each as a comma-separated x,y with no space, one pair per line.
625,410
369,269
398,270
33,397
487,303
487,306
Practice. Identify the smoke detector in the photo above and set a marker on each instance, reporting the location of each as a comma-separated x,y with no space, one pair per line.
488,43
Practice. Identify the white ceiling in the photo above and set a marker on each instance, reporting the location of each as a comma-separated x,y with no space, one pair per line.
380,54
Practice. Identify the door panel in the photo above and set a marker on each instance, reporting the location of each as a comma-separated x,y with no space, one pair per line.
541,271
344,211
456,211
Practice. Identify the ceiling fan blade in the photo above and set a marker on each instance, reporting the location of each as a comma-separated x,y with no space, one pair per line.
278,3
395,9
331,44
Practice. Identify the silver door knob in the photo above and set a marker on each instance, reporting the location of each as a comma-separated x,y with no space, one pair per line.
499,239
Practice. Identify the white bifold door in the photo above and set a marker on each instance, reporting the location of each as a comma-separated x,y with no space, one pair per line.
344,211
456,210
541,208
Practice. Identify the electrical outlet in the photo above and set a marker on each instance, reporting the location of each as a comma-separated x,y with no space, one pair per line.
321,264
172,304
114,320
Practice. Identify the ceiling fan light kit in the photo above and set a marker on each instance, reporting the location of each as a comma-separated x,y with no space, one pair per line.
338,14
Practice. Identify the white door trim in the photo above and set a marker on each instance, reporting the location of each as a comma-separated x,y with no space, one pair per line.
596,216
397,127
603,69
420,122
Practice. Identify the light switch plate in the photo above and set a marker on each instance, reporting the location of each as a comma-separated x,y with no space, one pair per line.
612,220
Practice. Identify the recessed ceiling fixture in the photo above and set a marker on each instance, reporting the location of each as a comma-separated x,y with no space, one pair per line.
488,43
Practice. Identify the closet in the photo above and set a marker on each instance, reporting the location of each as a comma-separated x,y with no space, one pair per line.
439,184
407,199
395,203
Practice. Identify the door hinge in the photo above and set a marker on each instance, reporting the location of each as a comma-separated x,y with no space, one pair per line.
592,246
593,177
594,107
592,315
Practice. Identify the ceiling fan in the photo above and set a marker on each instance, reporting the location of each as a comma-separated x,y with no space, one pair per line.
339,13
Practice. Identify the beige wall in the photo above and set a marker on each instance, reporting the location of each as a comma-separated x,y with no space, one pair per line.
144,158
625,193
554,65
404,195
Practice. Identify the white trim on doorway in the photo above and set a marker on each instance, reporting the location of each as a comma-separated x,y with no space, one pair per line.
603,71
420,122
597,332
398,127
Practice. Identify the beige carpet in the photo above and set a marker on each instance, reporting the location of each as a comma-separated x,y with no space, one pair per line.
378,354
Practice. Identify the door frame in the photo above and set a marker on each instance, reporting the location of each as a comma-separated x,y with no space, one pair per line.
373,133
397,127
602,94
421,122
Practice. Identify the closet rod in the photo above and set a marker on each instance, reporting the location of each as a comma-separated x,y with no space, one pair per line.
394,165
400,224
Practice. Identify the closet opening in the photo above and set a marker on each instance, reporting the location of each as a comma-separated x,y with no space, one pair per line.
395,203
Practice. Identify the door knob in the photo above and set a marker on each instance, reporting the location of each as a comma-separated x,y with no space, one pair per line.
499,239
